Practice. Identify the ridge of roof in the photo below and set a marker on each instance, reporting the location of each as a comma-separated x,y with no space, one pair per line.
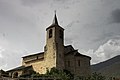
32,54
19,68
68,46
77,53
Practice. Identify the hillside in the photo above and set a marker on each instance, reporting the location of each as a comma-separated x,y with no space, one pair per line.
109,67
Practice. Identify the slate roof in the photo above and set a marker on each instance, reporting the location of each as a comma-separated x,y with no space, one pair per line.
55,23
76,53
19,68
2,71
68,46
33,54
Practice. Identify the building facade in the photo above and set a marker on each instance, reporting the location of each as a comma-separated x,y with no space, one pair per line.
57,55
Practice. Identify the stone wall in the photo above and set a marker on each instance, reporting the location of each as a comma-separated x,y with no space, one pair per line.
82,67
38,65
78,65
69,63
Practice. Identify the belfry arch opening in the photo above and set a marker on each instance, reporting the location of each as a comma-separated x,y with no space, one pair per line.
50,33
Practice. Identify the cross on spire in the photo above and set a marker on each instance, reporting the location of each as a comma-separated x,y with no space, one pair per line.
55,11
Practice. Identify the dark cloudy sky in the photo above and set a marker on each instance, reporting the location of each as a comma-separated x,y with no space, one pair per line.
92,26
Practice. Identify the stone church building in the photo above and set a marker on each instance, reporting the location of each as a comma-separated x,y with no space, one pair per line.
55,54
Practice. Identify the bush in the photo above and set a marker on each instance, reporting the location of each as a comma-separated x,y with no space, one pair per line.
94,76
62,74
65,75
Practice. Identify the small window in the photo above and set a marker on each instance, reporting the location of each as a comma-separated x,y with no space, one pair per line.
68,62
50,33
78,62
61,34
37,57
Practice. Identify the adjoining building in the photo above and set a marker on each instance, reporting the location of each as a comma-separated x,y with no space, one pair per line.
55,54
3,73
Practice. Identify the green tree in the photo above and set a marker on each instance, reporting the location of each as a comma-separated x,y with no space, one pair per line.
62,74
94,76
97,76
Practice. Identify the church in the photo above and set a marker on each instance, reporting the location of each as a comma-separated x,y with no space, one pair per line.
55,54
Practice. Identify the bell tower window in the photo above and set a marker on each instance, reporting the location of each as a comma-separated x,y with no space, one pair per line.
61,34
50,33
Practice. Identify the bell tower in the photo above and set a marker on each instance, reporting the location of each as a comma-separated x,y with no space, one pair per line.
54,49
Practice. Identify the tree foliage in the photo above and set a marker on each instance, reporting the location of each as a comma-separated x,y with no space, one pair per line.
65,75
62,74
94,76
52,73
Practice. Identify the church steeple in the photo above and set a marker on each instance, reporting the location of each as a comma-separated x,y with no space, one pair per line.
54,49
55,21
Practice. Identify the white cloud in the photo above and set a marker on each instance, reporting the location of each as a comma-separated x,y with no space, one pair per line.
106,51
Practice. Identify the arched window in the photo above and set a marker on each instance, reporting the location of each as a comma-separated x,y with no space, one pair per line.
50,33
15,74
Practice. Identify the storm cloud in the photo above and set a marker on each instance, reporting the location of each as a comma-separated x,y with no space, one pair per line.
116,16
91,26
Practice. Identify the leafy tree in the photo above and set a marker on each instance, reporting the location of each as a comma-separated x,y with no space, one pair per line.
52,73
35,75
94,76
62,74
97,76
65,75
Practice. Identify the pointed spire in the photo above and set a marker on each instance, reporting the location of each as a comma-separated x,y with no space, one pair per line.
54,23
55,19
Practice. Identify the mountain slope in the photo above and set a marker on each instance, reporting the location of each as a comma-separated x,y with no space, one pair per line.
110,67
